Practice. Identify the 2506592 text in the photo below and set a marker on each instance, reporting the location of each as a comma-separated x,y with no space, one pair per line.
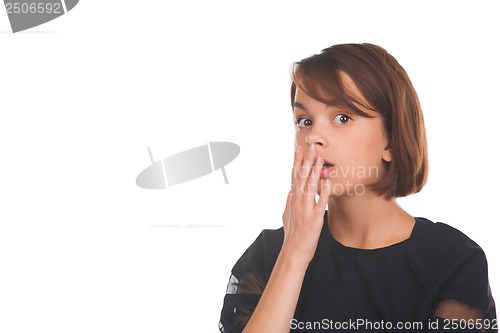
33,8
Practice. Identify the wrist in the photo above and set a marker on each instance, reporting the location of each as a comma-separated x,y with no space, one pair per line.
293,260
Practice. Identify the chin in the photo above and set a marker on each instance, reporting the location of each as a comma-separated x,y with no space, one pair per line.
347,190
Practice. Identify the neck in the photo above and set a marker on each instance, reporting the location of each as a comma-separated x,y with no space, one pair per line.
368,221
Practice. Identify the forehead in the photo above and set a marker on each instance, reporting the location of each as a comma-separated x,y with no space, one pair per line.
350,86
303,101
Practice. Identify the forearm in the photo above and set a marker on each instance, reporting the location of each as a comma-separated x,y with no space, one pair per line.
278,302
302,225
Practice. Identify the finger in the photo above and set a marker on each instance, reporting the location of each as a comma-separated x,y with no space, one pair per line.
288,205
313,181
297,163
306,167
320,208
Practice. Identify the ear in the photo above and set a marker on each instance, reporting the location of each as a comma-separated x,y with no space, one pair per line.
387,154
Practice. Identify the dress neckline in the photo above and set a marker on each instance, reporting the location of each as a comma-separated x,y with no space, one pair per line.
327,236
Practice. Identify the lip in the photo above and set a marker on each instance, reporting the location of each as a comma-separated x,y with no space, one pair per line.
327,162
325,171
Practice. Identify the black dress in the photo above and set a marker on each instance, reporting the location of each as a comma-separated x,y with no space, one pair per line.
390,289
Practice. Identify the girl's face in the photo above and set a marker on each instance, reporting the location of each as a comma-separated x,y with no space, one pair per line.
354,145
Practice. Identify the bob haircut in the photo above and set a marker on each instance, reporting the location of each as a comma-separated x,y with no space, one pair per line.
387,89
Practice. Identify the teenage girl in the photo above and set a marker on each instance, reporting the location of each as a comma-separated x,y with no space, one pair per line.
365,264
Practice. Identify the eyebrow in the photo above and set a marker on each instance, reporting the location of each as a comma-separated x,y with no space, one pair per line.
299,106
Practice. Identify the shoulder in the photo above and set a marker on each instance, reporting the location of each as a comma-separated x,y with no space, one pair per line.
456,264
438,238
261,255
442,247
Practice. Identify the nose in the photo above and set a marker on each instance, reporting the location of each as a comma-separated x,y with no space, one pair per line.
316,138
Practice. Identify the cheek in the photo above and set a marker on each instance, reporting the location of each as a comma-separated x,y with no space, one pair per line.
300,137
373,142
363,150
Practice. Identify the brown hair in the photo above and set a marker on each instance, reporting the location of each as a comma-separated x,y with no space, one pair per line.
388,90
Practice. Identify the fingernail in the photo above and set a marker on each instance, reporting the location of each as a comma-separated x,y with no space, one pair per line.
311,148
297,149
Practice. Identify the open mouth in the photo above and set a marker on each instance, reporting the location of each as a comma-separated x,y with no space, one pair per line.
326,170
327,164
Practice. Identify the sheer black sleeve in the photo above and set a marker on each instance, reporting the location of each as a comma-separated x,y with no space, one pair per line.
467,289
460,272
248,279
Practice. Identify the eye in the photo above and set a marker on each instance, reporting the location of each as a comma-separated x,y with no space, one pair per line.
303,122
342,119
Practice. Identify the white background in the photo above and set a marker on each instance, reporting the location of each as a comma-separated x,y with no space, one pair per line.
83,249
